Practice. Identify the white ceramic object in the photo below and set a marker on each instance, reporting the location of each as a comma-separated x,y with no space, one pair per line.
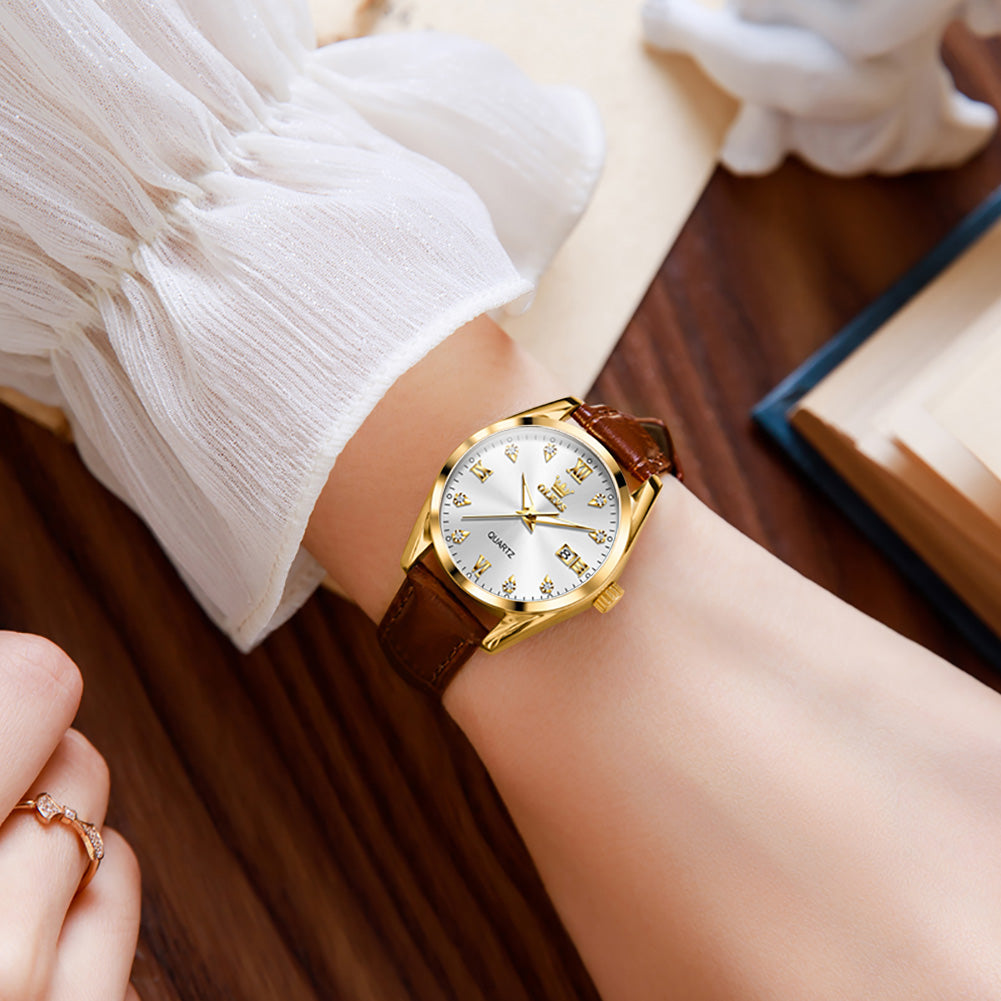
851,86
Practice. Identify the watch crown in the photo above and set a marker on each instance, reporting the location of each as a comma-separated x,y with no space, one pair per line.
605,600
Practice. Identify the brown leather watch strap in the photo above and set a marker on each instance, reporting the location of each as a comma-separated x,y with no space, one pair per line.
429,631
641,445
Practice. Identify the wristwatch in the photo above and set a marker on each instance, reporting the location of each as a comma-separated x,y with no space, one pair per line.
529,522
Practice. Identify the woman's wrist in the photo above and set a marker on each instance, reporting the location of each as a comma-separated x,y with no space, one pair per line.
373,495
719,774
364,515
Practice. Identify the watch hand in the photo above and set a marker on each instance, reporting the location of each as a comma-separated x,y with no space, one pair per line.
551,519
527,507
526,496
491,517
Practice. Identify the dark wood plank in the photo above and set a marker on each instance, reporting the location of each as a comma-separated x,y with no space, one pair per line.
309,827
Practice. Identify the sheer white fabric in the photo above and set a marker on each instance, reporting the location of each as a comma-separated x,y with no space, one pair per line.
219,247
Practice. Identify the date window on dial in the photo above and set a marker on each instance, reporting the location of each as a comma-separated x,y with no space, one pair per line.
566,555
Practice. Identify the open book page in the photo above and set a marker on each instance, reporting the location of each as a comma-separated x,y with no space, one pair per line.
953,479
664,124
869,381
971,407
962,484
866,415
876,397
876,476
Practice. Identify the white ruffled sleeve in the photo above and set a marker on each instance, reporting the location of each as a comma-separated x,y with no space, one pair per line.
219,247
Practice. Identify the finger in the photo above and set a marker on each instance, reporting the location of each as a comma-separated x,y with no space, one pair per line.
98,940
40,690
41,864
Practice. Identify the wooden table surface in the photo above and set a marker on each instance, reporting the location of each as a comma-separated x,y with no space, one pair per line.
310,827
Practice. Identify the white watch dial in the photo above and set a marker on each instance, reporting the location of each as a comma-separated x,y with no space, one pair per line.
530,513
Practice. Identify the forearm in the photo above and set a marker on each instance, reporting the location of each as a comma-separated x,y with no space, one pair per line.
708,778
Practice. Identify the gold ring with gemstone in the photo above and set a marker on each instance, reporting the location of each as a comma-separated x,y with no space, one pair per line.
47,810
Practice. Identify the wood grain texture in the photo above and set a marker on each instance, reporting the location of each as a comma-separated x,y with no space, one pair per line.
309,826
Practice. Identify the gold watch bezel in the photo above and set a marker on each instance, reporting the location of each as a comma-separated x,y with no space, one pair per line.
519,619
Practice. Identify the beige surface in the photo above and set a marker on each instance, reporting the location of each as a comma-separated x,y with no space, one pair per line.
664,123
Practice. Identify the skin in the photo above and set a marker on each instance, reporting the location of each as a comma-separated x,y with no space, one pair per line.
57,944
734,785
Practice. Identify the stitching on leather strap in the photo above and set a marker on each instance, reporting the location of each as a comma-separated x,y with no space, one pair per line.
449,659
404,596
421,581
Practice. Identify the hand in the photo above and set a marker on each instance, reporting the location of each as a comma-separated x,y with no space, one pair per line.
493,517
555,519
530,518
55,943
526,512
527,507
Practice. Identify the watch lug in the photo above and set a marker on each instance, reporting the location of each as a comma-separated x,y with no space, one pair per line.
420,537
557,410
515,626
643,500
